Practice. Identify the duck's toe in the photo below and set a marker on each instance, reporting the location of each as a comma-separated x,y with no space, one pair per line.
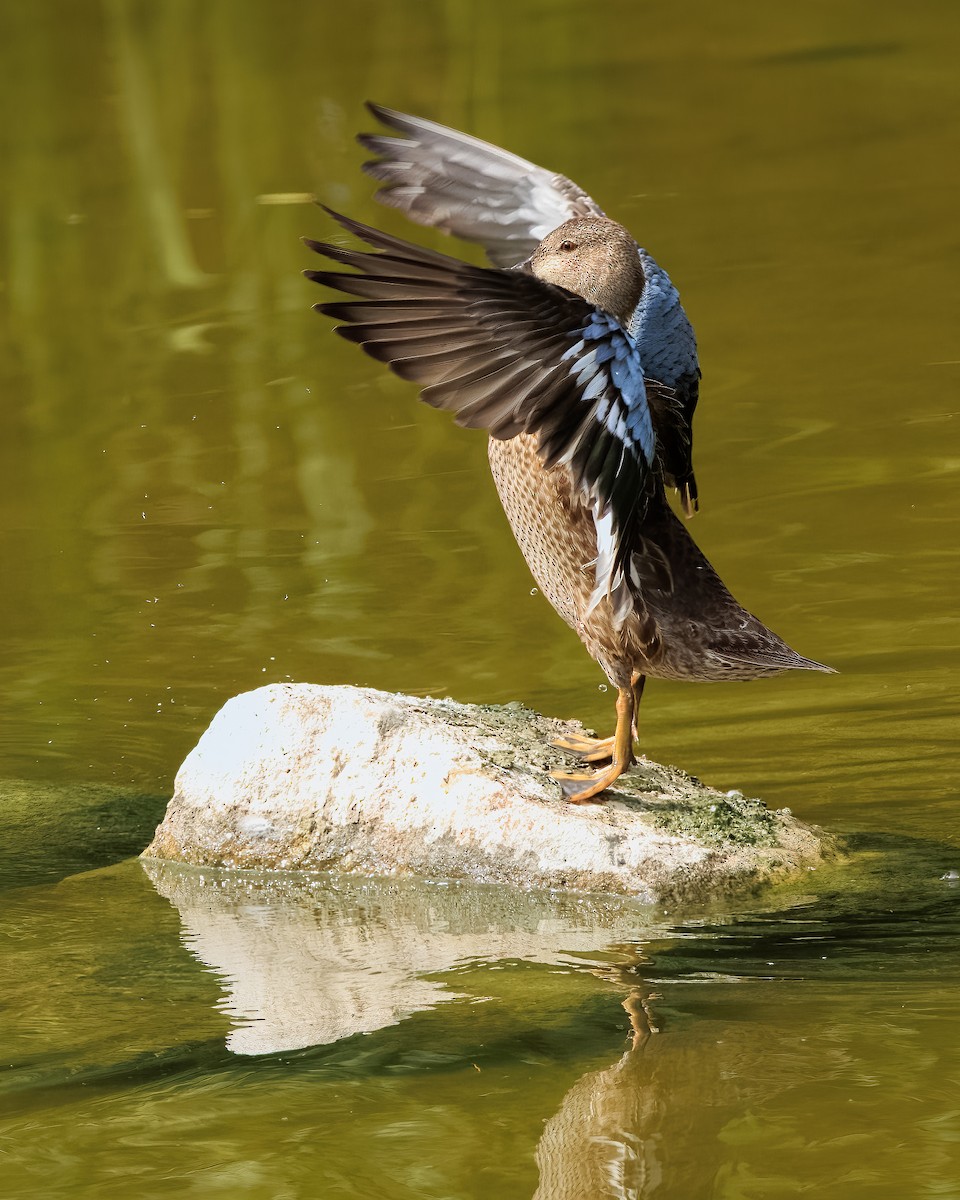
582,787
590,749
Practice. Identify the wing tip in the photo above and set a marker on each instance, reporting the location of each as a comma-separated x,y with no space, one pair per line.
380,112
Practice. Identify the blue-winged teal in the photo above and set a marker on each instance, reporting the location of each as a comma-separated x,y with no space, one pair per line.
575,355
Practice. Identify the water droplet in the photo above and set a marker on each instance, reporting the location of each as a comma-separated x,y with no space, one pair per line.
601,687
534,591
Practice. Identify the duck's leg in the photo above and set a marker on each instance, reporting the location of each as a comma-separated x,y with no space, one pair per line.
592,749
581,786
636,682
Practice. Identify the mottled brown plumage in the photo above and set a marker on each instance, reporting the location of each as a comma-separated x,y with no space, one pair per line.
685,625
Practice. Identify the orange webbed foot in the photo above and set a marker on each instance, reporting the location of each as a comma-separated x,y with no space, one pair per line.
583,787
580,787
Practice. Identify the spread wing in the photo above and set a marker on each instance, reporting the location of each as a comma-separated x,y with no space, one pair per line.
476,191
470,188
509,353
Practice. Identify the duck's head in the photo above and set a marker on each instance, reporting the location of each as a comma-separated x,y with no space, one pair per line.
595,258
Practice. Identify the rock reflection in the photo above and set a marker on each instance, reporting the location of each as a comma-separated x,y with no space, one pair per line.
309,960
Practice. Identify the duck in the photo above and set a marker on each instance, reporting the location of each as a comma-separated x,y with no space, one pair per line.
546,355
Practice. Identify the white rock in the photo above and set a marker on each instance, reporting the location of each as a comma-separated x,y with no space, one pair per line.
319,778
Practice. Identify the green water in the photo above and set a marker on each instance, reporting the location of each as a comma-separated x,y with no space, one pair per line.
202,490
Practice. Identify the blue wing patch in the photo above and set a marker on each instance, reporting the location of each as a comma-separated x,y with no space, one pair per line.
611,373
664,335
612,454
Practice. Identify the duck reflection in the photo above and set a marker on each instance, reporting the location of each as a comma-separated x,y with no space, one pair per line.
596,1144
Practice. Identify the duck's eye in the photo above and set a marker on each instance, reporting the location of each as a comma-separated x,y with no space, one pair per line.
566,244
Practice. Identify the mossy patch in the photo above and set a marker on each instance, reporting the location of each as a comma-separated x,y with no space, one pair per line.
720,819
